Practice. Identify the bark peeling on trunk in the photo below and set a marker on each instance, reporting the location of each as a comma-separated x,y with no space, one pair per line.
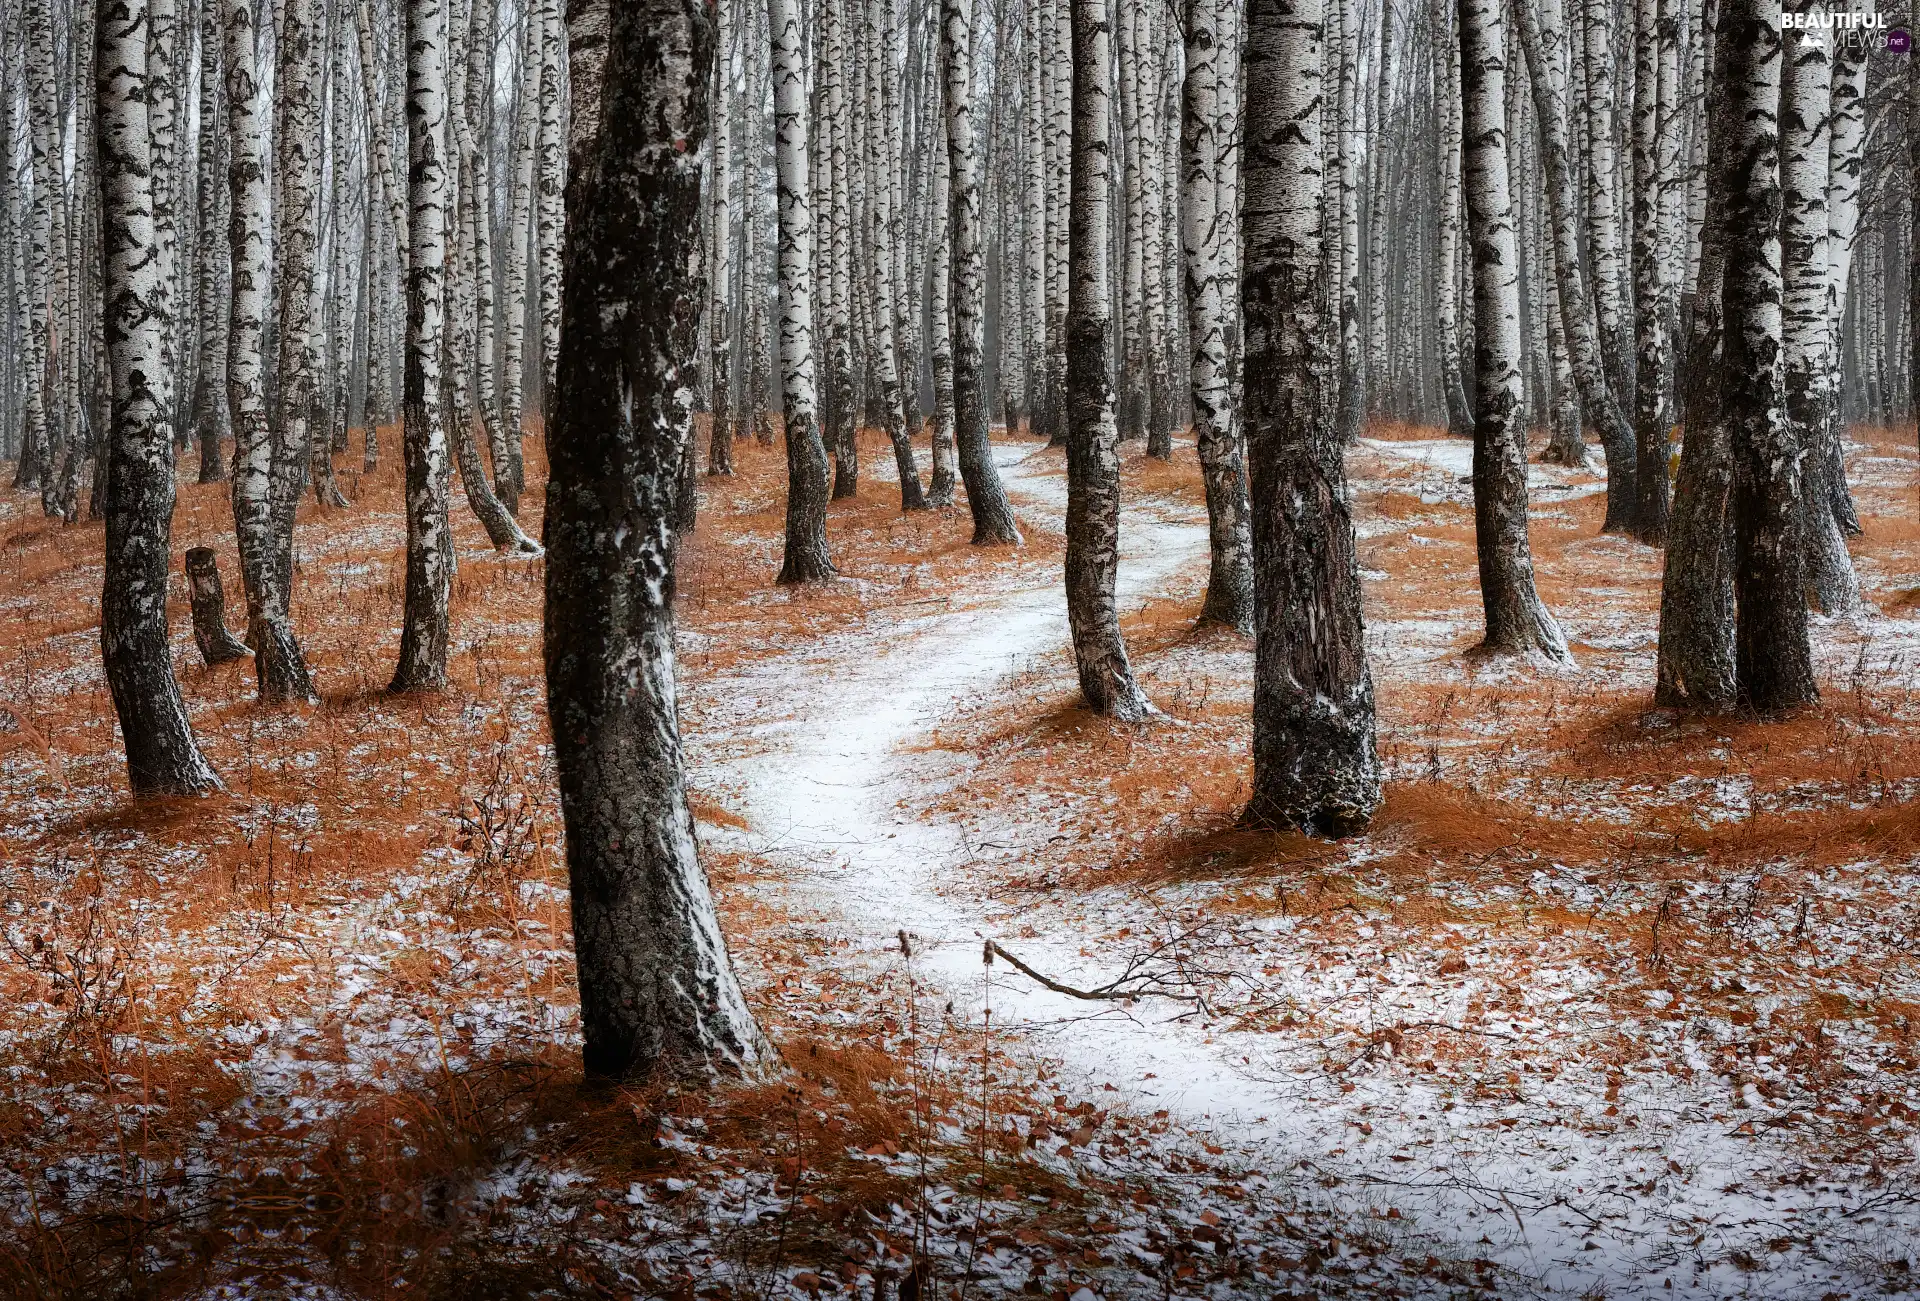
658,996
1315,766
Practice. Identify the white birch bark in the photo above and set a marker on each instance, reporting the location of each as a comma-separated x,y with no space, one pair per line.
1205,243
806,559
162,757
423,631
552,185
1605,242
1093,438
1517,622
518,269
993,520
1805,174
278,664
1315,763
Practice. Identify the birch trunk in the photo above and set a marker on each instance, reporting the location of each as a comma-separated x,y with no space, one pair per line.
519,259
658,995
212,418
806,559
1806,100
1447,278
162,756
1517,621
423,631
1846,158
1695,664
1205,242
720,236
1605,242
1651,441
1093,436
993,520
881,231
940,492
1585,334
1773,658
1315,766
278,663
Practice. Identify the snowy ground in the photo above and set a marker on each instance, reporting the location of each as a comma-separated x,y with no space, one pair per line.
1612,1003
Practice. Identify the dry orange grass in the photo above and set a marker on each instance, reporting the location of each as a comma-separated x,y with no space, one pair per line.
187,920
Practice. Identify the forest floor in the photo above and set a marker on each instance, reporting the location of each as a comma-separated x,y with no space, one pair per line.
1611,1002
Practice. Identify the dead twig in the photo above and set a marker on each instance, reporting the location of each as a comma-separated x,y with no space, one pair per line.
1117,990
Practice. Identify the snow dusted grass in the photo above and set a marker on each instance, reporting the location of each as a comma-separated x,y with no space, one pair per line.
1609,998
1625,999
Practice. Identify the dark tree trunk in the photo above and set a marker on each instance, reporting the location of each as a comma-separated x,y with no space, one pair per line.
1093,437
1772,654
658,994
1315,767
162,756
1696,595
209,598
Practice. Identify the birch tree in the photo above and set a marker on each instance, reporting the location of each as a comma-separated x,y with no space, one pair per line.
278,662
1205,243
658,995
1093,435
1315,765
1516,620
423,631
805,559
1773,657
1806,100
162,756
993,520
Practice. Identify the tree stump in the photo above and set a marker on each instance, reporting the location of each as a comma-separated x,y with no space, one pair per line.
217,645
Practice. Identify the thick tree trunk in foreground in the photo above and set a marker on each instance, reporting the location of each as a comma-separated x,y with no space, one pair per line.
1205,239
1517,621
1773,657
162,756
986,497
423,631
278,663
658,996
1093,435
1314,762
806,559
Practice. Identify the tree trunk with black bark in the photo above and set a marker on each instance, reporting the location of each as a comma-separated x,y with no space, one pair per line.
1315,766
658,995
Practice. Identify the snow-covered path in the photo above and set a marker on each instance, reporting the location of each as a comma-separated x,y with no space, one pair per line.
824,761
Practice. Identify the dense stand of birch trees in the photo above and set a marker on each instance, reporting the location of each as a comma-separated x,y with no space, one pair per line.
243,230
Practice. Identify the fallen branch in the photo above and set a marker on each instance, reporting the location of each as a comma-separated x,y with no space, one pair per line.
1108,992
